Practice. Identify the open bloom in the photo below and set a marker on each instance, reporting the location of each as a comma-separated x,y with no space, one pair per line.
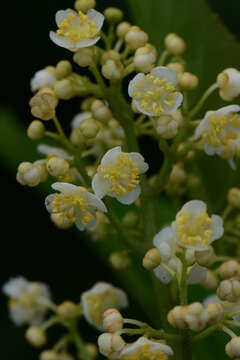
101,297
42,78
118,175
170,265
147,349
194,229
77,30
76,204
155,94
27,302
219,131
230,87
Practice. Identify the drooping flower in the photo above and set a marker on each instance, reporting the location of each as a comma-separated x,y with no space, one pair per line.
219,132
118,175
27,303
101,297
77,30
194,229
147,349
42,78
229,84
155,94
75,203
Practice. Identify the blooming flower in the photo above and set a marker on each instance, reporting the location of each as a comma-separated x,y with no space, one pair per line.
229,307
193,227
165,242
77,30
75,203
147,349
230,86
219,131
155,94
42,78
101,297
27,302
118,175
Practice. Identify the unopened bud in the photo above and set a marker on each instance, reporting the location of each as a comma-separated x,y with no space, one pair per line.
123,28
76,137
57,166
36,130
112,69
229,269
175,45
63,89
89,128
222,79
196,317
233,348
176,317
101,111
110,345
28,174
87,103
63,69
62,222
112,320
41,164
84,5
36,336
205,257
49,355
44,103
92,350
84,57
188,81
152,259
113,15
110,55
233,197
119,260
177,175
229,290
145,58
167,126
215,311
211,281
67,310
177,67
136,38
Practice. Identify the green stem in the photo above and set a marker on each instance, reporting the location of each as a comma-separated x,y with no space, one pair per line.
82,352
118,45
163,58
204,334
95,71
183,289
201,102
227,212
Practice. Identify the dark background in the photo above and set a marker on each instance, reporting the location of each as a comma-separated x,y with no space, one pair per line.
31,245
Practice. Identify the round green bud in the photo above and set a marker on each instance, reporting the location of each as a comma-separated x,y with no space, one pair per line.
63,89
113,15
84,5
63,69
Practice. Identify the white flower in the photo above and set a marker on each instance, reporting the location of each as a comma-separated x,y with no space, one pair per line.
101,297
42,78
77,30
229,307
27,302
75,203
170,265
230,87
155,94
54,151
194,229
146,349
118,175
219,132
77,119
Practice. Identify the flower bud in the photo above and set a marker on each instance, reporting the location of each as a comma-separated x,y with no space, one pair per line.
113,15
211,281
176,317
92,350
134,108
84,5
130,219
84,57
177,67
110,345
123,28
119,260
62,222
89,128
44,103
67,310
63,69
152,259
63,89
174,44
233,197
112,320
196,317
57,166
87,103
215,311
76,137
41,164
205,257
188,81
229,290
177,175
136,38
222,79
35,130
110,55
233,348
229,269
229,84
167,126
36,336
49,355
28,174
145,58
101,112
112,69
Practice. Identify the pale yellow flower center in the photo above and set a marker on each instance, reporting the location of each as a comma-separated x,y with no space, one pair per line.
123,174
70,206
155,95
78,27
27,299
222,130
144,353
194,230
98,303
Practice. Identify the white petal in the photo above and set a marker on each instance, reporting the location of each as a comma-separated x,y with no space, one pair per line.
96,203
152,346
61,40
196,274
52,150
62,14
111,155
176,104
209,150
194,207
165,72
217,227
232,165
142,110
164,235
130,196
139,160
226,110
48,202
85,43
211,298
77,119
63,187
132,85
162,274
14,287
96,17
100,185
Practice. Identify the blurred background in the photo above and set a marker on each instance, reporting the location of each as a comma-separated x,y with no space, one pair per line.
31,245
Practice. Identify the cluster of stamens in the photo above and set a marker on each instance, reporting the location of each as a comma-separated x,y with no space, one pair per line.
98,303
144,353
